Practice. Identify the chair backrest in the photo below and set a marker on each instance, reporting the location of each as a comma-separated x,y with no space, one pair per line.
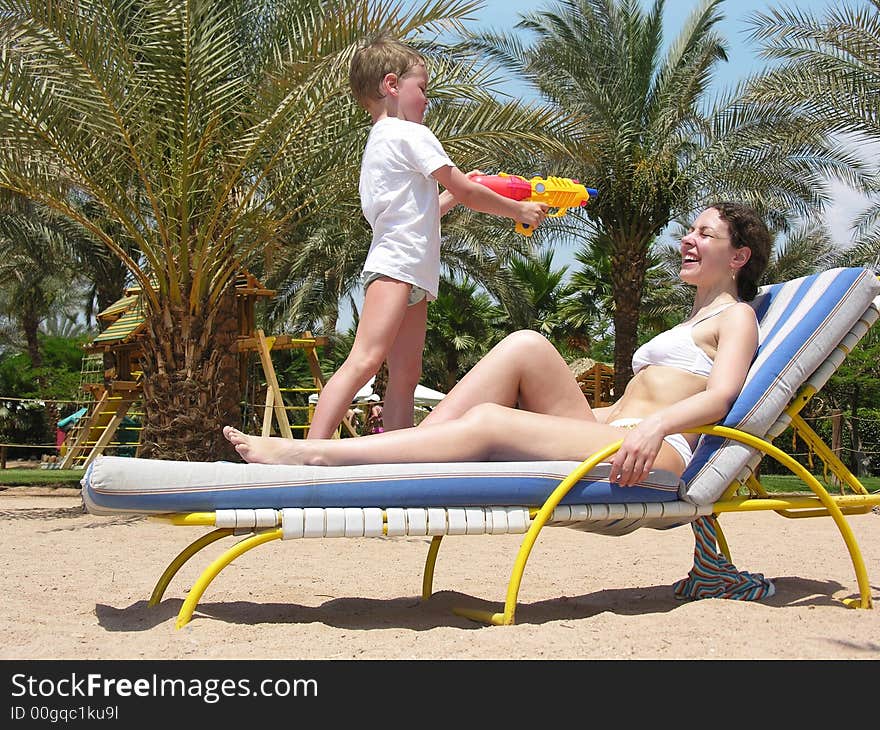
802,323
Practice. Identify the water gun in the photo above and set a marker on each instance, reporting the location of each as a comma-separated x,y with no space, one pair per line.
561,193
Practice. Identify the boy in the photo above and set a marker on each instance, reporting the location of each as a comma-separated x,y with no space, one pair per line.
402,164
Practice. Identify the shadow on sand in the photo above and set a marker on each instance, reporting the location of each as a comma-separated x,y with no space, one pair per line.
410,612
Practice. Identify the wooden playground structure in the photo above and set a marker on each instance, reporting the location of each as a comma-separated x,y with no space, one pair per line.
596,380
112,393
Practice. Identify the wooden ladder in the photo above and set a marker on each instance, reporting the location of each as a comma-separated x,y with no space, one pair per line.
94,431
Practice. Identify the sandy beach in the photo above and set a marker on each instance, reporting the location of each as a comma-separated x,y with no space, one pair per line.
76,586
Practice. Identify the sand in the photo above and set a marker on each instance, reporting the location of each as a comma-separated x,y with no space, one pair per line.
76,586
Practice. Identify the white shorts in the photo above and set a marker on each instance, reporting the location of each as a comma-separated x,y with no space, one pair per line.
676,440
416,293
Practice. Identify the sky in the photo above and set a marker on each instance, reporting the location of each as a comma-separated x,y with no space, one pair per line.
743,60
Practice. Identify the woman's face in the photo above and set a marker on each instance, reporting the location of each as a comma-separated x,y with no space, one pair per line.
707,253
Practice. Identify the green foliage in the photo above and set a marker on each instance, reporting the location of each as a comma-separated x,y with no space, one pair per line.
789,483
32,416
857,380
67,478
26,422
17,376
463,324
62,358
825,66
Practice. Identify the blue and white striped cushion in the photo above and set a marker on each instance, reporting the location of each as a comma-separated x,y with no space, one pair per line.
802,321
118,484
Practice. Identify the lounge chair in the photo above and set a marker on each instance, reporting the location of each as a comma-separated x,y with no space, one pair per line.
808,326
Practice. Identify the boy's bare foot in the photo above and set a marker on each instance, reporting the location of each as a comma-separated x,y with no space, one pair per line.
266,449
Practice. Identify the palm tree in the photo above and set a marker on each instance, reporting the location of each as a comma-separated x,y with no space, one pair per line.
175,120
211,134
462,327
37,271
827,67
543,288
650,142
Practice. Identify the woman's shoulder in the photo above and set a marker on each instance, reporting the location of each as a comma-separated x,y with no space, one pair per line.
738,318
742,309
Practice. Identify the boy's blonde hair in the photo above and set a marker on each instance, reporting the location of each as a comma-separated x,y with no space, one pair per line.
371,62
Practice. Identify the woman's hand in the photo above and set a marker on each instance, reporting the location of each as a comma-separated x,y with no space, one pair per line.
632,462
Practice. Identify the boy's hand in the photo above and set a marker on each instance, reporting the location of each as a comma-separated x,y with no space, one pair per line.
532,214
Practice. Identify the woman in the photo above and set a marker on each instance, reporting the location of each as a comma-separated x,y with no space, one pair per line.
521,401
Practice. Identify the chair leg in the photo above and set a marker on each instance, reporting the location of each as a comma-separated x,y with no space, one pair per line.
181,558
827,501
722,540
543,515
430,561
211,572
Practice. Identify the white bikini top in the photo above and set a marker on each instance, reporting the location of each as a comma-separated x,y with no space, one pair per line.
676,348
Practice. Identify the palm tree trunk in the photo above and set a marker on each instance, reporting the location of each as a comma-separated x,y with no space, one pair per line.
380,384
452,368
191,388
628,274
30,325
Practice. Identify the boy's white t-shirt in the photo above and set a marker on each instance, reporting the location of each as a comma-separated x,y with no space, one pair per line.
400,200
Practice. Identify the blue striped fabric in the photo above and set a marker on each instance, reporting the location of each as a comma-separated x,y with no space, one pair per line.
802,321
118,484
713,576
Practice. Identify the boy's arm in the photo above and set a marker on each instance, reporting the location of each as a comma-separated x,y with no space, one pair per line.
447,199
447,202
484,200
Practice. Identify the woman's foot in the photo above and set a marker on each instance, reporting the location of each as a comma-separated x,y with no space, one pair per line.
267,449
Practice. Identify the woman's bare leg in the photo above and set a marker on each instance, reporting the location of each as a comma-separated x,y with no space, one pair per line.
405,368
522,370
385,305
487,432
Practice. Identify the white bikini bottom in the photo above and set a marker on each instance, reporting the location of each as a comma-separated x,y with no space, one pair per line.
676,440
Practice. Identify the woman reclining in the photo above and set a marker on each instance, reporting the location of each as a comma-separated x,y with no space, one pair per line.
522,402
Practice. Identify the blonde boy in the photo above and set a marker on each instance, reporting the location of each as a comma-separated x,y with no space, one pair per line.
402,165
